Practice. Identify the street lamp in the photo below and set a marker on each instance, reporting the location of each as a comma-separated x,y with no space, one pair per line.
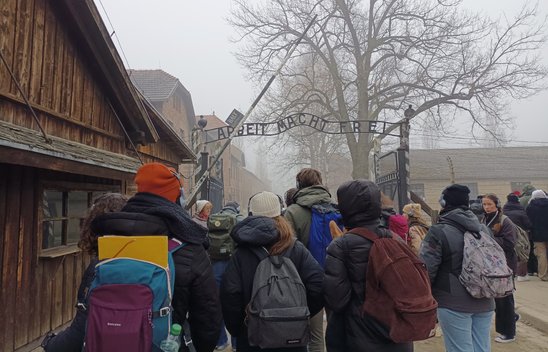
202,122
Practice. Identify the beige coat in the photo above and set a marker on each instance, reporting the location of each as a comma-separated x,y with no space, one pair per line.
416,233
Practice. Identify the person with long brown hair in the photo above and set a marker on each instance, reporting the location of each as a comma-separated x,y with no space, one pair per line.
72,339
505,233
264,229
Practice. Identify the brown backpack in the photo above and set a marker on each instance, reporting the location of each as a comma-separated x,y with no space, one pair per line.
397,289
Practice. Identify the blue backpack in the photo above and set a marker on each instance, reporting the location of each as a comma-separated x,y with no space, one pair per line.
129,304
320,236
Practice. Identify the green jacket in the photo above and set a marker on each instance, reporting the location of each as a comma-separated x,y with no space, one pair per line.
526,195
299,214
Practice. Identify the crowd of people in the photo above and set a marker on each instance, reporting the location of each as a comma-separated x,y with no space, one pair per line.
216,269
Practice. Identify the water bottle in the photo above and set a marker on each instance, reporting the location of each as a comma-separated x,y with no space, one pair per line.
173,341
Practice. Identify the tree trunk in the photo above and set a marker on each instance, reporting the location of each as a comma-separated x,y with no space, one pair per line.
360,160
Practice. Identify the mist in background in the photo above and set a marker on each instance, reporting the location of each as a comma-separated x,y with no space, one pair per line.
191,41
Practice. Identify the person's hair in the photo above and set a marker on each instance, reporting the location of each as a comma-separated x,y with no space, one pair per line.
287,237
289,196
494,198
105,203
386,202
308,177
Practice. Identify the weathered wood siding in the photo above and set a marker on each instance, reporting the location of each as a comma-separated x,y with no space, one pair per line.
37,294
54,73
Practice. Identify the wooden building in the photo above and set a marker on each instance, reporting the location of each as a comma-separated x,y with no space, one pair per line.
80,143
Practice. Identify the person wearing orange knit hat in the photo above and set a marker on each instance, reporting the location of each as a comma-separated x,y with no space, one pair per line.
159,179
156,210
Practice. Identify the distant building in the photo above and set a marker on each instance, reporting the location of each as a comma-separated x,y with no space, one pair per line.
483,170
239,182
169,96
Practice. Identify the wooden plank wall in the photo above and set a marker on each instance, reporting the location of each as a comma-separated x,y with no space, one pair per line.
37,295
57,77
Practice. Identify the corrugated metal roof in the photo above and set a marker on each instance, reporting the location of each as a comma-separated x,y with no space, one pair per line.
156,85
480,163
17,137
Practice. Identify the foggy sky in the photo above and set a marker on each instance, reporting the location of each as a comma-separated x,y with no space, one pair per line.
190,40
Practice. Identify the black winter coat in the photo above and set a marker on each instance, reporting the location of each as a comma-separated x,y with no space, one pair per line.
516,213
72,338
348,328
537,211
195,292
251,234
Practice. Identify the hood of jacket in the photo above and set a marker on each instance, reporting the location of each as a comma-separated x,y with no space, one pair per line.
255,231
359,203
309,196
539,202
230,210
527,190
462,218
512,206
149,214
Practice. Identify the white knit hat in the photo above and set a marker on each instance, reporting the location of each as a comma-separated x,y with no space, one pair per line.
200,204
265,204
538,194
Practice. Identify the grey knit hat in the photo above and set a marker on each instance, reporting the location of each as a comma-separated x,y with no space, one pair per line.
265,204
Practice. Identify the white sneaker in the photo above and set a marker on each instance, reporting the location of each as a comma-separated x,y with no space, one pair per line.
523,278
504,339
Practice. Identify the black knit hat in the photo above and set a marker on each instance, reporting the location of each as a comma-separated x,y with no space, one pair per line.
512,198
456,195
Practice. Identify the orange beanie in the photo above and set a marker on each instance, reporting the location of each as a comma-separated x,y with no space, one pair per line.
158,179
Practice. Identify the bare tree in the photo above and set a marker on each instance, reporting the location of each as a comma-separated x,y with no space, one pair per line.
294,93
382,55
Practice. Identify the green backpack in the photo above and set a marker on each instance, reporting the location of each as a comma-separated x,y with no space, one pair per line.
522,246
221,245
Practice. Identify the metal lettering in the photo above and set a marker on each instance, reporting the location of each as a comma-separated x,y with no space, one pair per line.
221,133
291,122
249,129
313,120
281,126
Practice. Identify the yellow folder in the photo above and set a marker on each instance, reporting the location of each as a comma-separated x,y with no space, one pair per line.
148,248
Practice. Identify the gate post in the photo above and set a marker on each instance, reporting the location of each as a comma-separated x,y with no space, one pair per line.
403,165
204,165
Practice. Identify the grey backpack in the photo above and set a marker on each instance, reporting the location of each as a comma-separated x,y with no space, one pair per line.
485,273
277,315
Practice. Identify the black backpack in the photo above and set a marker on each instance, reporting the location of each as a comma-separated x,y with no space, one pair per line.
221,245
277,315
